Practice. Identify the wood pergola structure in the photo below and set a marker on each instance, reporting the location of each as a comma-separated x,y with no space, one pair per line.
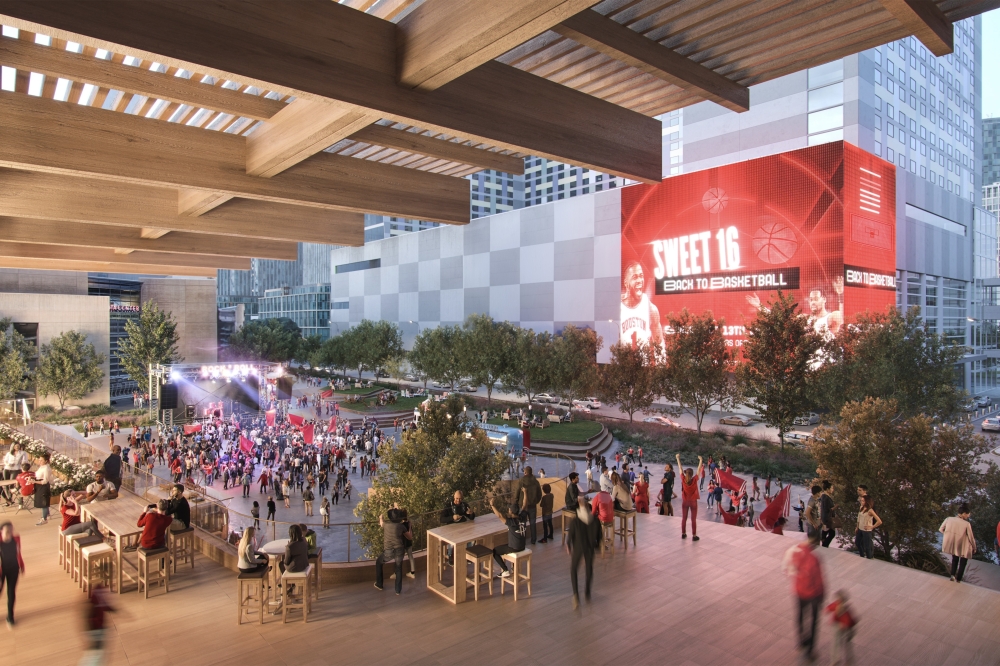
181,136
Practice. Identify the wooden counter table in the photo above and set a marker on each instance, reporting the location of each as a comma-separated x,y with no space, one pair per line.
118,517
456,535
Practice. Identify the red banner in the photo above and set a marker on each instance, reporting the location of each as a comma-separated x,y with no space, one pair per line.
333,424
245,444
779,506
326,394
307,433
191,429
296,420
730,481
269,415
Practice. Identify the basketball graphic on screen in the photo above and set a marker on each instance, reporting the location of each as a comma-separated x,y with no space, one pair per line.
774,242
715,200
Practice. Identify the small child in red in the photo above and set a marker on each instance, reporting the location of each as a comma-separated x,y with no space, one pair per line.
843,629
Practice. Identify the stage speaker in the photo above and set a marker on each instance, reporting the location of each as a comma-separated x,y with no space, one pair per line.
168,396
189,411
284,388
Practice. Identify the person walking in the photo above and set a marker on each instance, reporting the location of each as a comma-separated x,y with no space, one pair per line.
959,541
843,629
43,489
307,499
324,510
11,566
584,534
827,514
392,547
689,497
802,566
270,508
868,520
528,495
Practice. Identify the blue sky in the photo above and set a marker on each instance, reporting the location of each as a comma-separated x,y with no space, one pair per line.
991,64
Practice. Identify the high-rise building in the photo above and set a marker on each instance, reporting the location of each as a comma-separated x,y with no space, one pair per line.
991,150
378,227
991,198
307,305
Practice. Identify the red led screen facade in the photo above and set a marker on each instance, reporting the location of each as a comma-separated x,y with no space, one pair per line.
819,223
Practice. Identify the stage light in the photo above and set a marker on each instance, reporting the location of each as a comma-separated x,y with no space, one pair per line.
174,375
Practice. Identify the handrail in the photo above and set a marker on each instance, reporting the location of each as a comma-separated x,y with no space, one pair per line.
213,515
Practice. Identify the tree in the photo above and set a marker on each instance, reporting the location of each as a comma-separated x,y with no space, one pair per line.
150,340
275,340
332,353
396,368
892,356
913,471
781,355
15,373
380,342
531,370
422,472
307,349
984,501
575,372
69,367
630,379
435,354
486,351
698,372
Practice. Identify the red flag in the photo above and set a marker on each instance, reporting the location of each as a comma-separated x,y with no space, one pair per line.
307,433
730,481
732,518
296,420
191,429
326,394
245,444
333,424
269,415
778,507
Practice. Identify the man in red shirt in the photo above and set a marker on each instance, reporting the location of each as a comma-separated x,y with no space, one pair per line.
802,566
154,523
603,507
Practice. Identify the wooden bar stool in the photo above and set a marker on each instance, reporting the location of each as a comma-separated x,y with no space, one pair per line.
479,556
300,600
66,550
252,595
159,576
316,560
607,537
76,545
181,545
97,565
516,576
567,517
624,529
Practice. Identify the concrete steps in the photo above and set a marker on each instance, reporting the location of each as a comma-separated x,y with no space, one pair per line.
597,445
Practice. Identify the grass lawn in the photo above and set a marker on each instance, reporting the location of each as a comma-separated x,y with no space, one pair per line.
401,405
578,431
362,391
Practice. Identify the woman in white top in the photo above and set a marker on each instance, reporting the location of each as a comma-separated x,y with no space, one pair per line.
12,461
959,541
250,560
620,493
43,487
868,520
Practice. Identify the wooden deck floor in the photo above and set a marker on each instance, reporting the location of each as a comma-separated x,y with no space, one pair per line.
722,601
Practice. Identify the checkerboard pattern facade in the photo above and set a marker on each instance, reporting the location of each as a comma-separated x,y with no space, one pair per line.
540,267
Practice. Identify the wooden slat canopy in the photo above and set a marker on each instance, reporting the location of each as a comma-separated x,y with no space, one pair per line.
260,123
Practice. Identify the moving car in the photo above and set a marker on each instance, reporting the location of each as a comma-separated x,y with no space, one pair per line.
546,397
591,403
736,419
468,388
812,418
992,423
410,378
798,437
983,401
662,420
970,406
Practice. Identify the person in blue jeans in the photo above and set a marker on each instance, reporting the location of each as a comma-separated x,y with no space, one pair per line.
393,532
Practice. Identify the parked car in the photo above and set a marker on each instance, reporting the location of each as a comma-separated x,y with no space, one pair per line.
983,401
736,419
798,436
992,423
812,418
970,406
546,397
662,420
591,403
410,378
469,388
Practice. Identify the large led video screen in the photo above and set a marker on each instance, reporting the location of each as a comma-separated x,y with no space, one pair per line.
818,223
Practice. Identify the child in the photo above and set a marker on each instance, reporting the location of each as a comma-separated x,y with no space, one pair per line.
801,508
711,493
843,629
270,507
779,526
324,510
547,499
255,512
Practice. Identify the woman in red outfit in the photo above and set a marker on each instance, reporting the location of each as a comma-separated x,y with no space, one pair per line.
640,494
689,497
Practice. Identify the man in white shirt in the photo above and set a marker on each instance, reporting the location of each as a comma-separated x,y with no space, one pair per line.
606,484
101,490
43,489
12,462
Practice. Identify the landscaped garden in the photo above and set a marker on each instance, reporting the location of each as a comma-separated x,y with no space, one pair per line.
577,431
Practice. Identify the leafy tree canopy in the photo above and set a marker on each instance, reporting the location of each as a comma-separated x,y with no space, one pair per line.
630,379
486,351
15,373
148,341
69,367
273,340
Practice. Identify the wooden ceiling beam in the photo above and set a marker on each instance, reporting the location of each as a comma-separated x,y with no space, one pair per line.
72,140
56,62
441,40
54,197
105,267
48,232
412,142
617,41
71,253
324,51
926,22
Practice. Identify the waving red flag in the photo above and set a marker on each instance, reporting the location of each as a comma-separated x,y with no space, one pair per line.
270,415
307,433
326,394
191,429
730,481
333,424
779,506
296,420
245,444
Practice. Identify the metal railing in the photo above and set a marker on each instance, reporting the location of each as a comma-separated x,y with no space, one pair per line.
340,542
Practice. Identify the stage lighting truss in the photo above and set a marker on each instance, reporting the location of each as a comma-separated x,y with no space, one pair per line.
231,371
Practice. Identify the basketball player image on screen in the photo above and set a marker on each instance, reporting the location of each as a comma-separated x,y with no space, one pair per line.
824,322
640,320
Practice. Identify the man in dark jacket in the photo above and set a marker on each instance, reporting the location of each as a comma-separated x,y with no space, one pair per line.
584,534
528,495
572,492
392,547
179,509
113,467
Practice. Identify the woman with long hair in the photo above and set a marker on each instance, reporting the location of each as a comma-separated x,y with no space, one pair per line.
250,560
689,497
11,566
640,494
868,520
620,493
